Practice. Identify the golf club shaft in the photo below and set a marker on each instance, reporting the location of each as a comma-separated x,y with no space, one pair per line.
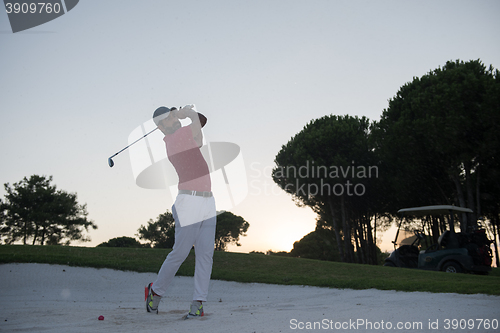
145,135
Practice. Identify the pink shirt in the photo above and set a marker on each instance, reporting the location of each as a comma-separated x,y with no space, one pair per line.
186,157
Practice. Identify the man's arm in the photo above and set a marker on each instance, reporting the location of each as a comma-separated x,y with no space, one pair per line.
197,122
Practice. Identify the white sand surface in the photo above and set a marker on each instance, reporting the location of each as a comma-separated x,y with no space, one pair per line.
52,298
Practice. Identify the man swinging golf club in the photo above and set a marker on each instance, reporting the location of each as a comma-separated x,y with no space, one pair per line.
193,210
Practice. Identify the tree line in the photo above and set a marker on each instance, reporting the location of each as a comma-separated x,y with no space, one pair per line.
160,233
35,212
438,142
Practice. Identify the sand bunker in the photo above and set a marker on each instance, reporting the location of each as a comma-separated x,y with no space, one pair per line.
52,298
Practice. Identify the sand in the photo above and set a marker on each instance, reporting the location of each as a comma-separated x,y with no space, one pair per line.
52,298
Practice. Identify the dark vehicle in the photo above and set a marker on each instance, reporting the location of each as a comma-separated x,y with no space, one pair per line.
455,252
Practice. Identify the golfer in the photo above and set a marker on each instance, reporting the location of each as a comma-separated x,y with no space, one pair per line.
193,210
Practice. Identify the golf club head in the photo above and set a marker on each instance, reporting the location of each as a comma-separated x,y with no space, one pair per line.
110,162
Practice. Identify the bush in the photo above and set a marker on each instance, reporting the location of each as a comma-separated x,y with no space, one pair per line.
122,242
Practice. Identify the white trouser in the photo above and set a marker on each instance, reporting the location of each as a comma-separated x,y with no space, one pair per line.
201,235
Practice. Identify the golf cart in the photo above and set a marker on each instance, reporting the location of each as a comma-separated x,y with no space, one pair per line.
455,252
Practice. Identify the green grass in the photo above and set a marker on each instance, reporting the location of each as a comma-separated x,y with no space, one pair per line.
260,268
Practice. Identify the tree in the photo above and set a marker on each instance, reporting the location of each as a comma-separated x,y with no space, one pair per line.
315,246
330,167
437,143
439,139
229,229
159,233
35,211
122,242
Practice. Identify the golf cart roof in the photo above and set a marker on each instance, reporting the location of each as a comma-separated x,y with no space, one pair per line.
439,209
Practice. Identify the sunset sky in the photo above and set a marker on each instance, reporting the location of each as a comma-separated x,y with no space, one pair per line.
74,89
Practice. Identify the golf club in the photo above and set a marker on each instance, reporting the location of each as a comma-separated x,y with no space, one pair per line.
110,160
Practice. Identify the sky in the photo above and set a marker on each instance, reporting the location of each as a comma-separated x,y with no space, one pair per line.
74,89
